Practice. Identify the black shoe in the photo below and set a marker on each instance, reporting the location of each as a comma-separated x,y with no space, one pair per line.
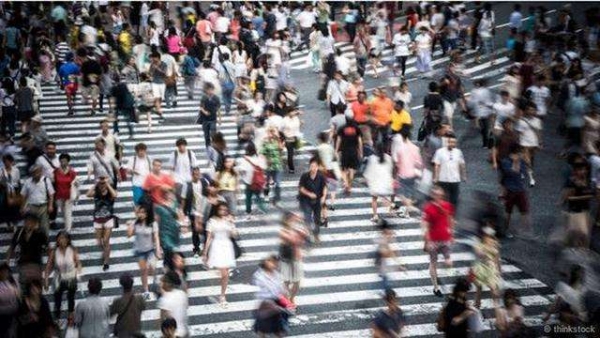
325,222
105,267
174,104
330,207
438,293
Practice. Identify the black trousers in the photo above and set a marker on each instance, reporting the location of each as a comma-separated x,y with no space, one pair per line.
452,190
71,288
290,145
312,215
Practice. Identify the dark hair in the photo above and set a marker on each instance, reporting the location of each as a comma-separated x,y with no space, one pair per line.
262,264
126,282
510,294
313,159
50,143
140,146
172,278
64,156
8,157
250,149
155,55
181,141
323,137
94,286
66,234
390,295
433,86
168,324
462,285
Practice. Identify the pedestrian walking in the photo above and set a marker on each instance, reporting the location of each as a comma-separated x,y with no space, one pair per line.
513,170
450,169
32,242
210,108
349,147
158,74
271,150
292,237
403,47
312,191
128,309
438,225
228,181
23,101
290,125
146,244
251,168
139,166
63,260
487,270
9,301
34,318
171,222
92,314
409,167
104,196
219,250
91,72
378,175
67,189
173,303
390,321
38,196
453,319
271,315
529,127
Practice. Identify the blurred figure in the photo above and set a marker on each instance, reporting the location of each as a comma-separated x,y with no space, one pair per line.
487,270
271,316
64,261
92,315
173,303
9,301
389,322
34,317
293,236
453,319
128,309
380,180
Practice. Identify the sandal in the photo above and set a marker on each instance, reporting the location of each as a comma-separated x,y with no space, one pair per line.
375,219
325,222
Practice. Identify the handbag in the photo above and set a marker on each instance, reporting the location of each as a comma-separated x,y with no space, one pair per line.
237,249
422,133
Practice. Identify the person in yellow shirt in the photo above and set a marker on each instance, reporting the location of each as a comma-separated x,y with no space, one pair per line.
400,117
125,42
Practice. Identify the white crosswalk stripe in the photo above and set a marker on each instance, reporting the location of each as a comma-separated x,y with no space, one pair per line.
341,291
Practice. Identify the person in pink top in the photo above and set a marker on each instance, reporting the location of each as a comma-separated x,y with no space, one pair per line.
409,165
65,178
204,30
174,43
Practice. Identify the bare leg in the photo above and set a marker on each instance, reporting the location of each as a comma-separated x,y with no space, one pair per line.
144,270
224,282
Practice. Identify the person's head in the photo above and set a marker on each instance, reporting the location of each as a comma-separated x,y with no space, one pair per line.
313,166
451,142
508,124
94,286
156,166
510,298
580,170
222,209
362,96
63,239
251,149
64,160
381,92
269,264
433,86
170,281
126,282
517,7
540,80
338,76
196,174
141,213
405,131
504,96
209,89
437,193
461,288
100,145
140,149
281,97
181,144
5,272
168,327
155,57
8,160
404,87
228,163
36,172
50,149
323,137
33,289
390,298
178,261
398,105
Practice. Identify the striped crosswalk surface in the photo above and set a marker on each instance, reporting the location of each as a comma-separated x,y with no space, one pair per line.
341,291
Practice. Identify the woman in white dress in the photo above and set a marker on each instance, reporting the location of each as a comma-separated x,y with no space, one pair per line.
379,178
218,251
240,58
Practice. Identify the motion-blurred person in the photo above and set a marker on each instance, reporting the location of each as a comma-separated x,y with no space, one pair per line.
292,236
380,180
128,309
104,196
92,314
64,262
389,323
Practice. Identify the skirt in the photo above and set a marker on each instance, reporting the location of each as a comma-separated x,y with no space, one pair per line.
291,271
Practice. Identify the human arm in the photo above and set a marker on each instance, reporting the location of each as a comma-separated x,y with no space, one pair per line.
48,270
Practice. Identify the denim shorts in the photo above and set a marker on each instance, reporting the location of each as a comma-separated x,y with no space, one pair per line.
147,255
138,193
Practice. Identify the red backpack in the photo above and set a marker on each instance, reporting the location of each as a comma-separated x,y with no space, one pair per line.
259,179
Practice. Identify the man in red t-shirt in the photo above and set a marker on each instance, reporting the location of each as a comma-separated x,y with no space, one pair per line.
157,183
437,224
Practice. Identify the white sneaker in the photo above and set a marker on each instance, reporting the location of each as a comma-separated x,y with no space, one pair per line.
532,182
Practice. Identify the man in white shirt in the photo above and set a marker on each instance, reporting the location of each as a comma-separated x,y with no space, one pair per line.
503,109
222,25
181,162
38,194
306,19
449,169
102,165
530,127
280,18
342,63
336,91
482,102
138,166
110,139
192,204
174,302
515,21
540,95
49,161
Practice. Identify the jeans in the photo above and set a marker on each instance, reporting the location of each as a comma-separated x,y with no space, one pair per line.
402,61
351,29
291,147
361,65
275,175
259,200
312,214
71,288
227,96
129,113
190,83
452,189
208,128
9,117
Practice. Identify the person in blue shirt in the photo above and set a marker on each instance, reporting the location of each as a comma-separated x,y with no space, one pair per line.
68,73
513,172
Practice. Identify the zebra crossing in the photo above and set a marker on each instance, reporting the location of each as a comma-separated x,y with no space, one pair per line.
341,290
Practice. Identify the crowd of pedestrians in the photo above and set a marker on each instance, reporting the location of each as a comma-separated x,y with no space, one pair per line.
126,59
